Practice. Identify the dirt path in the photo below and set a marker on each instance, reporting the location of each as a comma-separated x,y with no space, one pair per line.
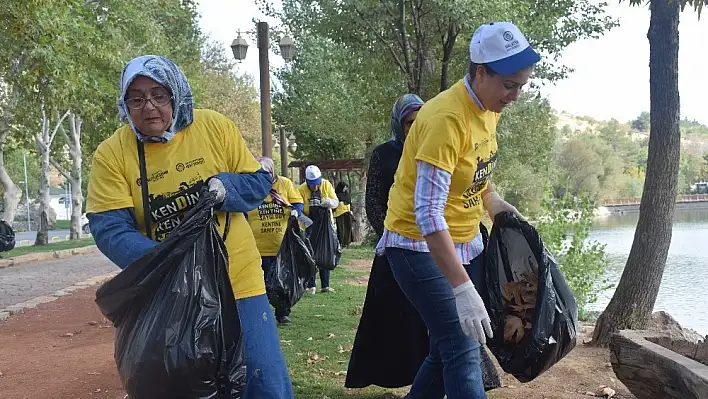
64,350
38,361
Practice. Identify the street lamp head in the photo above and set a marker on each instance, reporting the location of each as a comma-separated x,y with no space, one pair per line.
293,146
239,47
276,146
287,48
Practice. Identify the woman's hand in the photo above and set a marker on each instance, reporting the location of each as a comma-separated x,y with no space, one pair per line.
494,204
474,318
217,186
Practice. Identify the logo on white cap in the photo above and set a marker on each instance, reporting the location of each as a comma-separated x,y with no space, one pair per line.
312,173
503,47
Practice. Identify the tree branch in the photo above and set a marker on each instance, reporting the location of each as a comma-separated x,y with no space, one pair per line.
404,37
58,167
57,126
385,43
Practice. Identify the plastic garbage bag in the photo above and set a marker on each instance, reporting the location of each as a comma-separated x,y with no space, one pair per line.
7,237
178,333
533,313
294,265
324,239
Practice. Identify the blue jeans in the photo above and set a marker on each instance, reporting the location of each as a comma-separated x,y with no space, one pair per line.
268,376
268,263
452,367
324,279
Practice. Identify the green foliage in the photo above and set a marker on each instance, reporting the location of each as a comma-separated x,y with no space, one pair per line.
526,136
565,230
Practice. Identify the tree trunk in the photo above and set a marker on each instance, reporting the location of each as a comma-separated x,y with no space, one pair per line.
11,197
634,298
73,176
77,198
448,47
44,143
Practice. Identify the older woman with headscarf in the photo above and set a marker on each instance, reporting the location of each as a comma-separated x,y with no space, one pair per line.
270,220
179,150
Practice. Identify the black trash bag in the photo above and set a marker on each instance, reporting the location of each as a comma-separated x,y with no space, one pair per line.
178,333
294,265
7,237
515,252
324,240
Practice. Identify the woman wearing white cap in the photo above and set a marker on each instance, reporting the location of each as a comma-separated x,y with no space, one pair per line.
440,192
318,191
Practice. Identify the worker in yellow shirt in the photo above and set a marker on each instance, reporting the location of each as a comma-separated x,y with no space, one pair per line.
440,192
317,191
181,150
270,220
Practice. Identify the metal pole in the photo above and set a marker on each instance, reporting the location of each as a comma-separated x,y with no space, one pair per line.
263,49
29,221
283,154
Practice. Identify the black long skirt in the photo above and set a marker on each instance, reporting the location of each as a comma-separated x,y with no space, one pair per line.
345,222
392,340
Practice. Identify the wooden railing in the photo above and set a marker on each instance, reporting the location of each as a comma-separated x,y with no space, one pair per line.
637,200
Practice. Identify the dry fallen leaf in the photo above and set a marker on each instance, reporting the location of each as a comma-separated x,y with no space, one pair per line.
67,335
330,336
513,329
605,392
94,373
92,323
309,339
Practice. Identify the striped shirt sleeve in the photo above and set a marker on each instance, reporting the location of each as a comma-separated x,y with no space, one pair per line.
432,187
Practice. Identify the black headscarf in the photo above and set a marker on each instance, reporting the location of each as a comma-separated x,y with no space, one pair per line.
343,193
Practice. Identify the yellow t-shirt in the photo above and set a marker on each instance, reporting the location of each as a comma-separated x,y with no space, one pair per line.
326,189
453,134
342,209
176,172
270,220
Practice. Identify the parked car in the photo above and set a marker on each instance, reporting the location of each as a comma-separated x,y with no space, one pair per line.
85,224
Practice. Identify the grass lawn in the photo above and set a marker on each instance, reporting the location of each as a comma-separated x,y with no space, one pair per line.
63,225
30,249
318,343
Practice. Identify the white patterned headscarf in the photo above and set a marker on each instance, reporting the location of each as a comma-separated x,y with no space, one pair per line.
166,73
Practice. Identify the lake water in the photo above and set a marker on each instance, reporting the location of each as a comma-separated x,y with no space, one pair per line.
684,288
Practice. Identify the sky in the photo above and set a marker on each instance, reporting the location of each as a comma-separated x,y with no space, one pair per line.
610,78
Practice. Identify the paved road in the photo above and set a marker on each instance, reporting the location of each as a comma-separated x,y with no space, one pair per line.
20,283
33,234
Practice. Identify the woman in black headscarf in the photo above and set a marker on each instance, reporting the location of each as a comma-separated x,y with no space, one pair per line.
343,214
392,341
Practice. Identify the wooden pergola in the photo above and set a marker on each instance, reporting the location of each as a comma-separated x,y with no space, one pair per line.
334,165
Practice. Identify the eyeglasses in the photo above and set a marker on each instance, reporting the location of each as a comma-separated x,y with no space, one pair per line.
158,98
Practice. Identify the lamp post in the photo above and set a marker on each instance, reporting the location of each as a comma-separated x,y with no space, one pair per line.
287,50
285,144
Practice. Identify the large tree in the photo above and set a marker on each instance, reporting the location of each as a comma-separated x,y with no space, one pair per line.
633,302
418,38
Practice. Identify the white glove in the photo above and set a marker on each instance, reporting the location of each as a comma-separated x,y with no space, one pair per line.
473,315
217,186
294,213
495,204
330,203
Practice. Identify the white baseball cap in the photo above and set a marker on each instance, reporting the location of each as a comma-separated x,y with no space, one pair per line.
502,47
313,175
